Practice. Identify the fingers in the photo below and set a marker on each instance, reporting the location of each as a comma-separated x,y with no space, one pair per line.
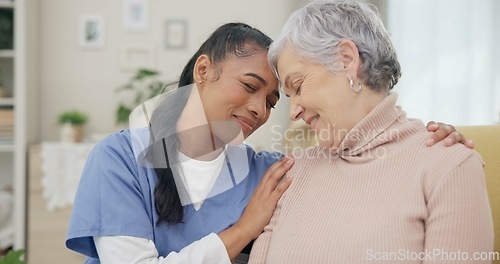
441,133
469,143
281,188
453,138
275,173
432,126
275,166
457,137
448,133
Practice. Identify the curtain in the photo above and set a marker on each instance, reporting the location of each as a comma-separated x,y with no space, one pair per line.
450,59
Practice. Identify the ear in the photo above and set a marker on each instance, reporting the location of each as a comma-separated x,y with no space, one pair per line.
201,68
349,56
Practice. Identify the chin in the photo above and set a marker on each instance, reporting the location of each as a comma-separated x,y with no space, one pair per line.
325,144
328,144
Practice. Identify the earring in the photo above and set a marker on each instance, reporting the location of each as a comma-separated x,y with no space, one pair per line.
199,81
351,85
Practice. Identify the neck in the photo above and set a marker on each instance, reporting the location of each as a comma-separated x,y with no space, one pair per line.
362,104
194,132
368,101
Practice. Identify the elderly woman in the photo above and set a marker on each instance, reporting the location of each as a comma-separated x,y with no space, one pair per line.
371,190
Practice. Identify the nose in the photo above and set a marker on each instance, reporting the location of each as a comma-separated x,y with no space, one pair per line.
296,110
257,107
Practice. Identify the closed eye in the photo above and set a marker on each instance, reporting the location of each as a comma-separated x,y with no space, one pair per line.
250,88
294,87
297,86
270,104
297,91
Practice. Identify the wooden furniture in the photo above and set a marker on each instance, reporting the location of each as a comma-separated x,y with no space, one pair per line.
46,231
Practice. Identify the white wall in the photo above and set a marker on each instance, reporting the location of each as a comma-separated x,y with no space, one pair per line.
271,135
71,77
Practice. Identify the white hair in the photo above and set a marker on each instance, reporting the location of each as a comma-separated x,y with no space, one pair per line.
314,32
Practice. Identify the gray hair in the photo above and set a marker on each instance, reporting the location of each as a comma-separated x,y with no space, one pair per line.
314,32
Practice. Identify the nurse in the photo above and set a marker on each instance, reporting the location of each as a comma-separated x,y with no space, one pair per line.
179,187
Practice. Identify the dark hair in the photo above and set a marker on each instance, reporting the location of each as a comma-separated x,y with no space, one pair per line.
236,39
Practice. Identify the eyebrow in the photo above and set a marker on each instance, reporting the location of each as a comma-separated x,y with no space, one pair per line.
263,82
256,76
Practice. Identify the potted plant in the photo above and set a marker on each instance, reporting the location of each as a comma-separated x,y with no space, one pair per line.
143,85
72,122
13,257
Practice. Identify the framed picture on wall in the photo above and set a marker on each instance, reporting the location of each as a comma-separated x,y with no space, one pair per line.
135,56
135,15
92,33
175,34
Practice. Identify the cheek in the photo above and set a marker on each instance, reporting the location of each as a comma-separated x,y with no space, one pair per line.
315,95
268,114
263,121
235,96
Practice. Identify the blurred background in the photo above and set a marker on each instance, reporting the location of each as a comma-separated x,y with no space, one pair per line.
70,70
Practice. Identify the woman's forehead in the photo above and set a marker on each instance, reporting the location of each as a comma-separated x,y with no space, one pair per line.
256,63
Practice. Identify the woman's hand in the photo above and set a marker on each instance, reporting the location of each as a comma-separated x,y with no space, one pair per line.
260,208
447,133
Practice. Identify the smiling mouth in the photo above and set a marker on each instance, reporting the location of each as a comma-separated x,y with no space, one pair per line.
244,124
313,121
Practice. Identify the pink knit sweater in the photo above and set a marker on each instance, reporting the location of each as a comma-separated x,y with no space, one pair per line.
383,197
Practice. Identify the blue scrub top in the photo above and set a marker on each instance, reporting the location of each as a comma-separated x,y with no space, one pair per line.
115,197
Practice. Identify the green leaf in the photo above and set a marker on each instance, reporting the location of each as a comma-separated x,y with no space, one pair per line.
144,73
73,117
122,114
144,85
155,89
13,257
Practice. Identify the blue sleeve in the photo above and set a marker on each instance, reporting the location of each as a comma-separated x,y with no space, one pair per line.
111,198
261,161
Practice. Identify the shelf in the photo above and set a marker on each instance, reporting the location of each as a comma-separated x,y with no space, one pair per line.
6,101
6,147
6,4
7,53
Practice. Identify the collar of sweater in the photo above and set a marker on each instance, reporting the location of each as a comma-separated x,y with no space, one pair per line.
371,131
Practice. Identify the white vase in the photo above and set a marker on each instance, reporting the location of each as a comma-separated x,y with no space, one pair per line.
67,133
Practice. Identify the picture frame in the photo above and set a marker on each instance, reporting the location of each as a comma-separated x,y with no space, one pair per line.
92,31
175,34
134,56
136,15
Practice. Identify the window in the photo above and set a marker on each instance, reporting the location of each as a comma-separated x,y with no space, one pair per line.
449,59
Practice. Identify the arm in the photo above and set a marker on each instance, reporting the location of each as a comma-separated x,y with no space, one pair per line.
259,210
126,249
460,217
212,248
